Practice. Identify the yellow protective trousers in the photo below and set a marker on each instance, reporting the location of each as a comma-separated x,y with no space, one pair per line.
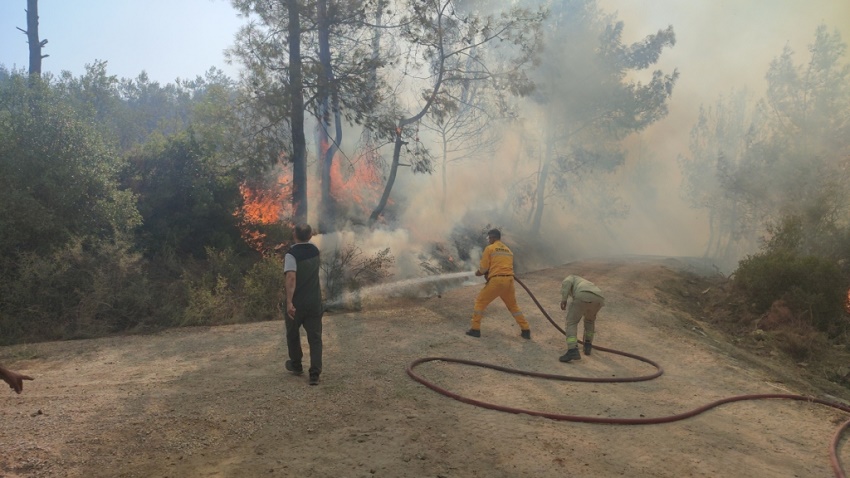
502,287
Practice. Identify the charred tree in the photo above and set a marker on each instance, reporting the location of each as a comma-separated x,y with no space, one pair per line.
328,105
299,142
35,45
323,76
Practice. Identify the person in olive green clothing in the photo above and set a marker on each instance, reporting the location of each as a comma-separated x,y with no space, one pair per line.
303,302
587,299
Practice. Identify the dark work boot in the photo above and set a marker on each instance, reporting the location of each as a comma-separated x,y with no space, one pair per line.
572,354
526,334
473,333
588,347
314,378
293,367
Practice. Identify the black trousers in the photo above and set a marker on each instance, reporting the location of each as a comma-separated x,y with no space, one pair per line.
312,324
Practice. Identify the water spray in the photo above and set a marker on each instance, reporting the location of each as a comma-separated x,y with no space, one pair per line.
406,287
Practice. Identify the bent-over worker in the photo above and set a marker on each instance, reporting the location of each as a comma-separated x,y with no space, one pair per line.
587,300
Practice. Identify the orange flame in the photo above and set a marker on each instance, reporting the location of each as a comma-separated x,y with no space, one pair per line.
262,207
847,304
360,185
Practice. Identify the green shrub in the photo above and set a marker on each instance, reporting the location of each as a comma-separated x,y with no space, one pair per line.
211,306
85,289
264,289
812,286
221,263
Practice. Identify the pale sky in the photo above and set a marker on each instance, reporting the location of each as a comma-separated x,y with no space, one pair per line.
720,42
166,38
726,43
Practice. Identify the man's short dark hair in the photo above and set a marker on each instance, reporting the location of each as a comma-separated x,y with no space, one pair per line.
303,232
494,233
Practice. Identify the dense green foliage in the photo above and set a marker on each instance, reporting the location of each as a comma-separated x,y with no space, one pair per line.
65,223
585,116
185,203
807,271
811,286
117,207
58,175
778,169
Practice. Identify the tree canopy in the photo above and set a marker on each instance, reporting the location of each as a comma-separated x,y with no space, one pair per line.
589,99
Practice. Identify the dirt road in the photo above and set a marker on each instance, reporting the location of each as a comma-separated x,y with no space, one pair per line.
216,402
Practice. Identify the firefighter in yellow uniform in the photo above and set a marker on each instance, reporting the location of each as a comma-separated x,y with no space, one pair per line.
497,266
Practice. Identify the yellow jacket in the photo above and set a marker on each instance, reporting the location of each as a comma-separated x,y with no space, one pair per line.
497,260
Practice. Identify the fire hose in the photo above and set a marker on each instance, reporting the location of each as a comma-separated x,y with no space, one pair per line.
833,452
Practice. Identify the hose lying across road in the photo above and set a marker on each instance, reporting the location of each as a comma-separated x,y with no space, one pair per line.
835,462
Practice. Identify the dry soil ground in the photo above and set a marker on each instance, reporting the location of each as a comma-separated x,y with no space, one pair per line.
216,402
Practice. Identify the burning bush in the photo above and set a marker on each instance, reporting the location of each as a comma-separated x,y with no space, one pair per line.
262,215
440,260
345,269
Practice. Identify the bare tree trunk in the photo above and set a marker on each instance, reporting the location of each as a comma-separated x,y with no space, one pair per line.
299,142
404,122
326,80
376,44
443,172
379,209
506,207
35,45
542,179
711,234
367,136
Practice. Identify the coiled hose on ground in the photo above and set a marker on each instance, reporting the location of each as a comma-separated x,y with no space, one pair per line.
835,462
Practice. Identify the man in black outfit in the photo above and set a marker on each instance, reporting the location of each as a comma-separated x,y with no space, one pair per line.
303,302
